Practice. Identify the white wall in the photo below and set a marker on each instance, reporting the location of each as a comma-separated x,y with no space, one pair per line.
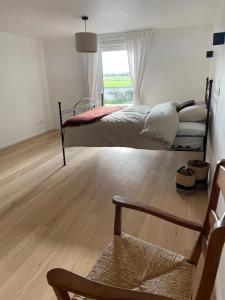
217,130
65,74
24,103
178,65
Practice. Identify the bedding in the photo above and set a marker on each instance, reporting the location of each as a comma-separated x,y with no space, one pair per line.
195,113
191,128
200,103
91,116
119,129
162,123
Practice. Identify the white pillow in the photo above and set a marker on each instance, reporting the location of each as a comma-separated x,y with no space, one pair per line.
200,103
195,113
162,123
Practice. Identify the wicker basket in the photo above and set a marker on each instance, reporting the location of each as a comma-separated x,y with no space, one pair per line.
201,169
185,180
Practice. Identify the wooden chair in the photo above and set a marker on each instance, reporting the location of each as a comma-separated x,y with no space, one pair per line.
133,269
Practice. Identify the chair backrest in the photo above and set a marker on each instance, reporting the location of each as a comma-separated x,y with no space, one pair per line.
212,238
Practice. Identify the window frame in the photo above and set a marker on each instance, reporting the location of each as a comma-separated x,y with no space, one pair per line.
103,98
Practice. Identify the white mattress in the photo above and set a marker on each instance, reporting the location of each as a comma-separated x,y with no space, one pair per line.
194,132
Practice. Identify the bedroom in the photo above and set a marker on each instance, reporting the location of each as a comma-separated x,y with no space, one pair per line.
62,217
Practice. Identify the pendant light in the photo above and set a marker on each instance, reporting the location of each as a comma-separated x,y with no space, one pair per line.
86,42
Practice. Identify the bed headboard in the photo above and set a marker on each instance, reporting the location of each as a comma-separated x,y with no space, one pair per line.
208,96
208,92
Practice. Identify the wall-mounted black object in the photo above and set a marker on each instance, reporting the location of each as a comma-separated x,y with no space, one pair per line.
209,54
218,38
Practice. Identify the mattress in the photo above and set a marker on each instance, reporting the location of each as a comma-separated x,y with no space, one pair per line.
190,135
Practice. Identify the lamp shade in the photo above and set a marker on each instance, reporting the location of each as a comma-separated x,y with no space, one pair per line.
86,42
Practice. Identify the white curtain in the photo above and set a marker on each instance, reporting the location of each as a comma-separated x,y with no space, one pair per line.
138,44
93,63
93,75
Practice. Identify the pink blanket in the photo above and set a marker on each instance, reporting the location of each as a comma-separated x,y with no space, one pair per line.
91,116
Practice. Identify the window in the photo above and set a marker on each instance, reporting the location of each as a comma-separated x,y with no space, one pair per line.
116,78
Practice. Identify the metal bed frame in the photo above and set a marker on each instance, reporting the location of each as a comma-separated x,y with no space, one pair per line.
79,107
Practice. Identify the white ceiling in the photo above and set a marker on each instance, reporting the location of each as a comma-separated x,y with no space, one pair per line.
59,18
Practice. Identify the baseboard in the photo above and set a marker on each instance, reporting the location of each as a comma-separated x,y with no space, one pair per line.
27,139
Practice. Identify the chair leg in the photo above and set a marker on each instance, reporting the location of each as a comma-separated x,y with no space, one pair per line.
196,253
61,294
117,222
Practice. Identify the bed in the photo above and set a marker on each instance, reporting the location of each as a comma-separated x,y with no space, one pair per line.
137,126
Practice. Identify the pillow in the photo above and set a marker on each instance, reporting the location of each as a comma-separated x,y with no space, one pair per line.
200,103
162,123
185,104
195,113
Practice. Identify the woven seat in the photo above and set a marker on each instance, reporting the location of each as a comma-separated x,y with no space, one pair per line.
131,263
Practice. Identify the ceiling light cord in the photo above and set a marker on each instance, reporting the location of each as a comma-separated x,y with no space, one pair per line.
85,18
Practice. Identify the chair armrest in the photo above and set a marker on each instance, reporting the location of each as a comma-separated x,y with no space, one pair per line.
124,202
64,281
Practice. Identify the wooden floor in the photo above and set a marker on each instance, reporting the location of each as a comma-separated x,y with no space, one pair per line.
63,217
